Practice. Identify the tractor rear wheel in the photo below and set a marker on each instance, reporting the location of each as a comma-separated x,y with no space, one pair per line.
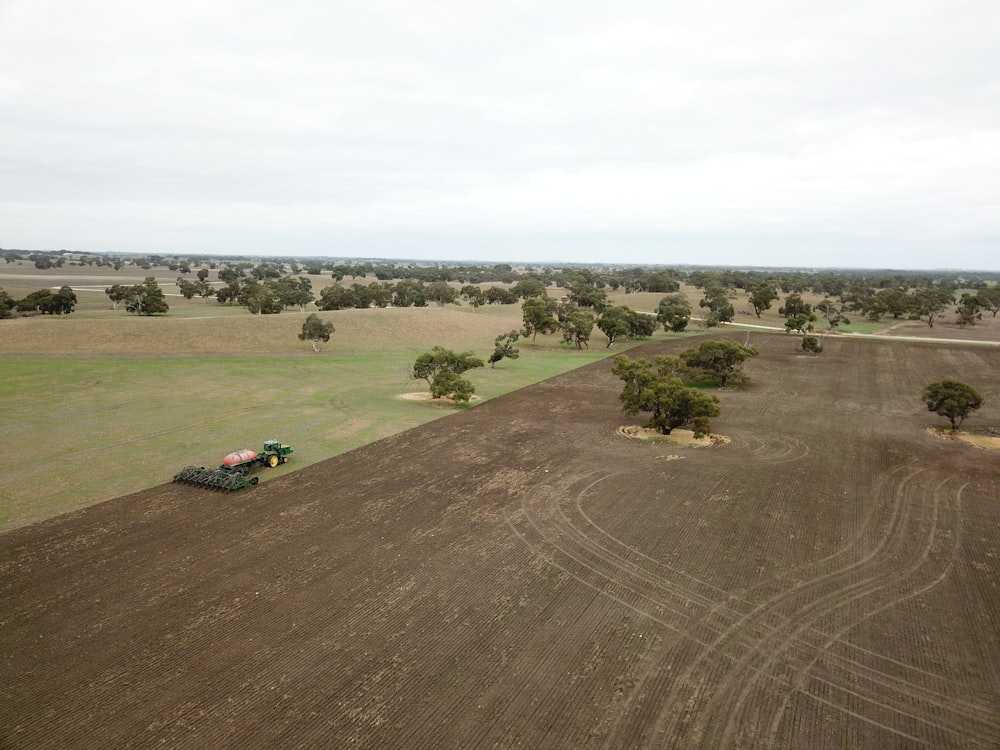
272,461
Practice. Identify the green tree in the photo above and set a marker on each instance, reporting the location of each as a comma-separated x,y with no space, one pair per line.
441,293
539,316
615,322
621,320
291,291
674,312
316,331
259,298
811,345
721,360
717,302
473,295
662,393
761,297
63,302
446,384
833,313
989,298
7,304
952,399
496,295
117,293
188,288
893,301
46,302
798,314
577,328
428,365
529,287
336,297
662,281
588,295
927,303
969,310
503,347
146,298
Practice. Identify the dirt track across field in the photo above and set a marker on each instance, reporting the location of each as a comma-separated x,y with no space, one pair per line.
522,575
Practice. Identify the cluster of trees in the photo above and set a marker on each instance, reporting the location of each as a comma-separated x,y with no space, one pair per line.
142,299
415,293
273,285
40,302
663,387
576,322
268,296
908,297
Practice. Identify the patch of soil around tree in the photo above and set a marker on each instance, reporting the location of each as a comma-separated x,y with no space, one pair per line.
989,442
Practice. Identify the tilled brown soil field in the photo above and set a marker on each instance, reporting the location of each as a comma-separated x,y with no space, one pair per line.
521,575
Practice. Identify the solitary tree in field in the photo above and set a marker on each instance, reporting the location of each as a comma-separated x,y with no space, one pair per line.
662,393
952,399
315,331
503,347
443,368
811,345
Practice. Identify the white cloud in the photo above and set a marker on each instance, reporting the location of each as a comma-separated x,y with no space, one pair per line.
868,128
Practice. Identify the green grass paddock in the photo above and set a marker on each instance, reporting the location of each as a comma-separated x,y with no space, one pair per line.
84,430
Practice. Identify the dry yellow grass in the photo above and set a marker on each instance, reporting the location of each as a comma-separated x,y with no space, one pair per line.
357,331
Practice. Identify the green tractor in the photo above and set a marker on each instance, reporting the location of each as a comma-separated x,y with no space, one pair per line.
234,472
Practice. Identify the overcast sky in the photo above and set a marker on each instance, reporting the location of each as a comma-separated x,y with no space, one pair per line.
733,133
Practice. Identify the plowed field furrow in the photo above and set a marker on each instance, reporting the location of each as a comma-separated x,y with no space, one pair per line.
749,628
951,715
907,556
619,568
845,587
871,683
516,575
583,570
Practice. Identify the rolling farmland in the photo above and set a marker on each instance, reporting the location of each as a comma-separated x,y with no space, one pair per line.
522,575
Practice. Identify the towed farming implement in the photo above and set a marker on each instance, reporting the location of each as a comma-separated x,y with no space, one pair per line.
235,471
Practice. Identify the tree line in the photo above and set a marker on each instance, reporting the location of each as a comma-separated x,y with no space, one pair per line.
40,302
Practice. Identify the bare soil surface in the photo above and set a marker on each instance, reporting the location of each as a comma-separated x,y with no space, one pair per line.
520,574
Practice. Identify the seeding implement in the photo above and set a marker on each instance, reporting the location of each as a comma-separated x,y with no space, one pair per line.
234,472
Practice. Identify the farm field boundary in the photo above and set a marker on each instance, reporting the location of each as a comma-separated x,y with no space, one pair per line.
520,574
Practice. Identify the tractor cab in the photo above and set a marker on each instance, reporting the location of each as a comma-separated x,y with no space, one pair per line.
278,450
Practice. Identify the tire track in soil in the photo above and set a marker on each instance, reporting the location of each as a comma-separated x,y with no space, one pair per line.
962,718
657,596
773,650
730,623
803,641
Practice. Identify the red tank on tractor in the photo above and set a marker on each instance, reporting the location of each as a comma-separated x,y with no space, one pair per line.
235,471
